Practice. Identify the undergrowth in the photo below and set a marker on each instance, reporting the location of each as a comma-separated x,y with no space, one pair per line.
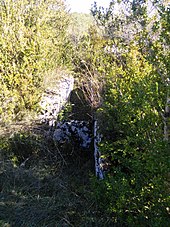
40,185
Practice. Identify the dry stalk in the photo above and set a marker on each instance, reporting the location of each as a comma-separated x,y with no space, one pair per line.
92,86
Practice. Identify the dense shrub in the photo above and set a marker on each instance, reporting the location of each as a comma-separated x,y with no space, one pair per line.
133,72
31,42
135,192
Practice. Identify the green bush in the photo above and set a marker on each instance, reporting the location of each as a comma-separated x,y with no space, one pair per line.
134,193
130,114
31,42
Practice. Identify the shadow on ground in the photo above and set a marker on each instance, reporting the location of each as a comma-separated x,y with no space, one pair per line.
42,184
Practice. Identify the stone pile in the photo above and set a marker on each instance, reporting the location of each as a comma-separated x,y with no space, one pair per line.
71,131
54,99
75,132
79,133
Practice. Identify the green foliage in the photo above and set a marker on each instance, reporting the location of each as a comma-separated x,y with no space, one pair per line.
124,75
89,65
131,125
132,102
23,146
65,113
31,42
134,192
135,95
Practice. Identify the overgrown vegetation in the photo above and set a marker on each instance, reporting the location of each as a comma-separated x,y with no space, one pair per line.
42,184
123,71
131,94
32,41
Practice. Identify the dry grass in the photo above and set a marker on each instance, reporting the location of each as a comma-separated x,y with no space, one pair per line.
40,186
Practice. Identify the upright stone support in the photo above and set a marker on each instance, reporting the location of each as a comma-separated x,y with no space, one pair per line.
167,120
55,98
97,155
